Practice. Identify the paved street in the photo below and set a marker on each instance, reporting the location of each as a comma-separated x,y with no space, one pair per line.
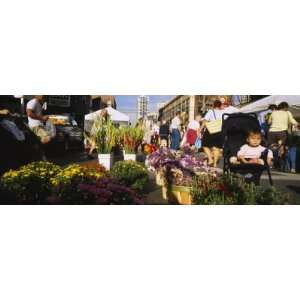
287,182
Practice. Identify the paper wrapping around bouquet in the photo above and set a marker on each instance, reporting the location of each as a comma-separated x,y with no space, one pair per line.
159,178
175,194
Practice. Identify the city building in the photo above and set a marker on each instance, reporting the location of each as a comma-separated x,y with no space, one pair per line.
152,116
142,102
191,105
161,104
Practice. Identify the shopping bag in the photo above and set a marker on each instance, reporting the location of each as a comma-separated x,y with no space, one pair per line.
214,126
50,129
13,129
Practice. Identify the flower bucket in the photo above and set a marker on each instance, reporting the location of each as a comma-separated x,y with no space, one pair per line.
106,160
129,156
175,194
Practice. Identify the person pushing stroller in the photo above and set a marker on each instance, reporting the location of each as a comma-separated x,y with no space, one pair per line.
251,153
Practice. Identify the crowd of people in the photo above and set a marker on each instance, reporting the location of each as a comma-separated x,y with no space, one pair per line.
203,133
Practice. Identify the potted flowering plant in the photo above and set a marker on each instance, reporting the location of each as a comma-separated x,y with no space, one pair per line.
230,189
104,133
107,191
30,184
65,183
132,138
131,173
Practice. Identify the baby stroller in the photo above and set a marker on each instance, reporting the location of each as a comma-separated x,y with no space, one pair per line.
234,129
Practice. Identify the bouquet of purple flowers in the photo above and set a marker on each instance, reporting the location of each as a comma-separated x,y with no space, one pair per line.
179,167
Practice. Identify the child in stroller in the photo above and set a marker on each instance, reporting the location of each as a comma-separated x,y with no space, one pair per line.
243,151
251,152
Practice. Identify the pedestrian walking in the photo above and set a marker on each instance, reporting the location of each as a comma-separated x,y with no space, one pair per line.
263,118
212,139
175,131
147,128
164,132
279,122
193,131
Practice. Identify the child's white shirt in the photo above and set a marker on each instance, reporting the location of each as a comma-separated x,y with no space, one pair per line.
253,152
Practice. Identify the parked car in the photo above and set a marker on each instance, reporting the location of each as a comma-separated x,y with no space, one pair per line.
68,133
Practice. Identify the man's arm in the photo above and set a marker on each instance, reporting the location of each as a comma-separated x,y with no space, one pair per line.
291,119
32,115
269,119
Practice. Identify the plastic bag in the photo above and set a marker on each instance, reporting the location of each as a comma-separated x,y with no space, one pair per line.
51,129
14,130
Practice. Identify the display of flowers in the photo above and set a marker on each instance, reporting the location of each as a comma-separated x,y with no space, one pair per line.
103,135
65,183
30,184
132,138
156,159
149,148
229,189
131,173
108,191
179,167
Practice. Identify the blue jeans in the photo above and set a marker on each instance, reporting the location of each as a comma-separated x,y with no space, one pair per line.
175,143
291,158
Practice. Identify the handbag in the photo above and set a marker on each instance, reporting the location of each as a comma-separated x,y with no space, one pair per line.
214,126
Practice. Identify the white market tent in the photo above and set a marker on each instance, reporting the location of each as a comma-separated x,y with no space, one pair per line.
263,104
116,116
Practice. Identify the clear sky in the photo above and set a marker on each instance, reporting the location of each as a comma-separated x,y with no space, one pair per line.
128,104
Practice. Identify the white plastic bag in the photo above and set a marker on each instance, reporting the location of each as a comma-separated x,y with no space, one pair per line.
51,129
14,130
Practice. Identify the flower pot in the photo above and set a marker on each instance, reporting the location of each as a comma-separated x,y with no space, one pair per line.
175,194
106,160
129,156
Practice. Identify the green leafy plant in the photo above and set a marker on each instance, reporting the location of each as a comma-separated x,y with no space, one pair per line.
103,135
229,189
132,138
131,174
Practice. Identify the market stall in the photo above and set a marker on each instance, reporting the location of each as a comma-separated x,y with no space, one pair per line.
116,116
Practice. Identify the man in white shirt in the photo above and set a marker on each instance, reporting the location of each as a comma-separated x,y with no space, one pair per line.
175,131
36,118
